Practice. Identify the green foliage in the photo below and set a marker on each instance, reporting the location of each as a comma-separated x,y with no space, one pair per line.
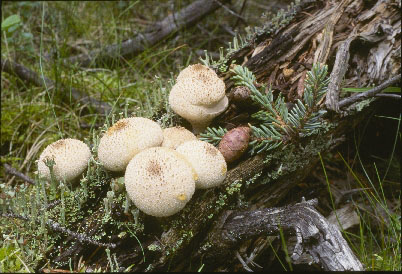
10,259
15,36
377,243
278,124
238,43
278,20
10,21
213,135
386,90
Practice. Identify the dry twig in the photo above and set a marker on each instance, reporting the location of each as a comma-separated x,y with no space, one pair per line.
57,227
370,93
32,77
10,170
187,16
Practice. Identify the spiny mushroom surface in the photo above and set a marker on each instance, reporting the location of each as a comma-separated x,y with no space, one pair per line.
175,136
70,158
125,139
160,181
198,96
207,161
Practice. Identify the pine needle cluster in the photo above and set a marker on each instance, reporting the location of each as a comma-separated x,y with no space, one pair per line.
279,124
213,135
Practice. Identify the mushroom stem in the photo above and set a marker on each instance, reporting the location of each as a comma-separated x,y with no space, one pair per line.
199,127
210,112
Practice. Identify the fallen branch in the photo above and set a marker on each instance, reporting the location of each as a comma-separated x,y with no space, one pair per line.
370,93
32,77
58,228
231,11
185,17
10,170
315,235
392,96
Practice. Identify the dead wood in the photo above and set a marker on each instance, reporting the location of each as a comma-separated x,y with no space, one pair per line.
32,77
360,42
315,235
370,93
186,17
54,226
10,170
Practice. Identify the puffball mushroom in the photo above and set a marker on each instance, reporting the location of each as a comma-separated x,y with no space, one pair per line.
207,161
175,136
125,139
198,96
160,181
70,158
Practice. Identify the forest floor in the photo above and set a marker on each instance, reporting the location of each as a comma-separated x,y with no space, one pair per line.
39,35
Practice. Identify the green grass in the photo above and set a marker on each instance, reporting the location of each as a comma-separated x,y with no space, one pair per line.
377,242
388,89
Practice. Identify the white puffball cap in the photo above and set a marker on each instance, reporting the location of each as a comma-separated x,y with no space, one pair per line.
207,160
125,139
70,156
175,136
160,181
198,96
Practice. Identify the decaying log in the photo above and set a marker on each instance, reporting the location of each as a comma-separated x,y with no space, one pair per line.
32,77
315,235
171,24
332,32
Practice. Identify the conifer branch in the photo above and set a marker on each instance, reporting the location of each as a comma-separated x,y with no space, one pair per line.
213,135
278,124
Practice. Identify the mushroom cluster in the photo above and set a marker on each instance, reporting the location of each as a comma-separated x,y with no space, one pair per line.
161,180
163,167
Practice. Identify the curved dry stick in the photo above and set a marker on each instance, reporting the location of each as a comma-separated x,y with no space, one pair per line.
370,93
32,77
171,24
10,170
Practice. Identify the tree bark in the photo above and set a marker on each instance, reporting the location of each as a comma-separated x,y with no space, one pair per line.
313,232
360,42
